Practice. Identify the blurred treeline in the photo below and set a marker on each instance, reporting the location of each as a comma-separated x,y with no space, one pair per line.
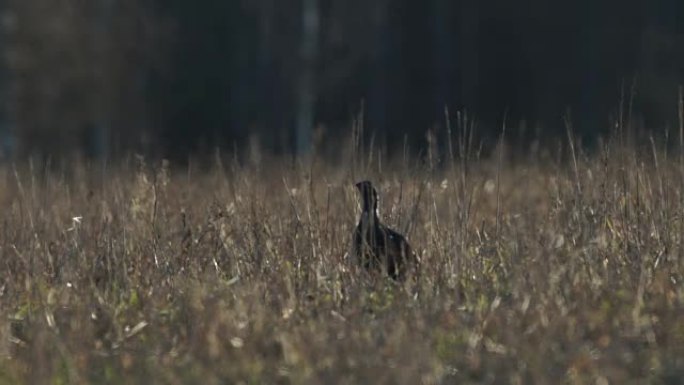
173,77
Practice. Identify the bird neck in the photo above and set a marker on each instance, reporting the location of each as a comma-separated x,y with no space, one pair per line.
370,206
370,215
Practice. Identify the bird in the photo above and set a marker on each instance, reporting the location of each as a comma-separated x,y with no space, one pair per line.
376,247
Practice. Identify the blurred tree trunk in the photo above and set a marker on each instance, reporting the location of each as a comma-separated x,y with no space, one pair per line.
468,53
96,135
306,90
380,67
5,125
590,50
268,96
443,55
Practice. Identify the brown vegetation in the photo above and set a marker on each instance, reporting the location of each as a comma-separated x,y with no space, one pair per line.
535,271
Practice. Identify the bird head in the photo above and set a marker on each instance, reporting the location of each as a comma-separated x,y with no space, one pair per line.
369,196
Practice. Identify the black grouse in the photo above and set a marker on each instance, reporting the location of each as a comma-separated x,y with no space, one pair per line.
377,247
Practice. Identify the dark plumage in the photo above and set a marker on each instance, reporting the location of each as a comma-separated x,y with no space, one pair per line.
377,247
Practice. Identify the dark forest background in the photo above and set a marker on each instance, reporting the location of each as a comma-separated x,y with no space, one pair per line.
176,77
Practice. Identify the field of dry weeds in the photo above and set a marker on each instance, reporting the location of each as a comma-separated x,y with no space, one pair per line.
563,268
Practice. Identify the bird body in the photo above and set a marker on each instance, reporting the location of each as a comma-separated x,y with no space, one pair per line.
377,247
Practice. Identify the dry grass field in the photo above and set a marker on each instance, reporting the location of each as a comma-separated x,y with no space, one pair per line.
537,269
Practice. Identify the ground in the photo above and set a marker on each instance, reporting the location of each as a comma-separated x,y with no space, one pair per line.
558,267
